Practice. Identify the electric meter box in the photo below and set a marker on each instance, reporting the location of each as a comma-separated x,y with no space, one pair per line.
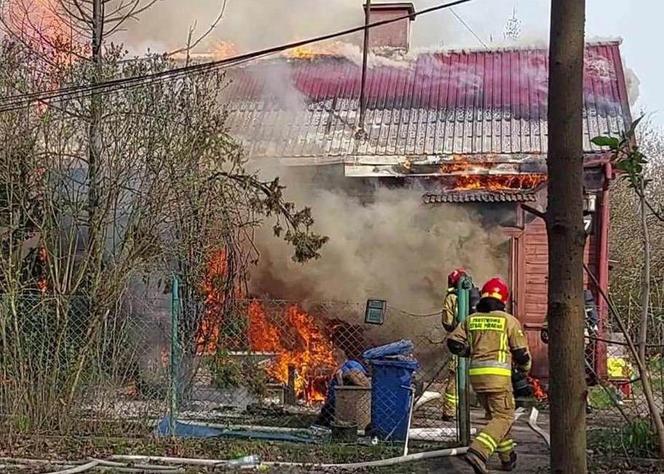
375,312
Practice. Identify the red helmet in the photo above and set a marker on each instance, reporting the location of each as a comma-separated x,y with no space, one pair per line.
496,288
454,277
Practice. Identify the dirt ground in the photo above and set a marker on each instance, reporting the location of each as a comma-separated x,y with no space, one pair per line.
532,450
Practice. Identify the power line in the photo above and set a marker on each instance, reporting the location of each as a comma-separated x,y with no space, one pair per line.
456,15
19,101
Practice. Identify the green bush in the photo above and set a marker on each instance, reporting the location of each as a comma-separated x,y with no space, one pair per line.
637,439
228,372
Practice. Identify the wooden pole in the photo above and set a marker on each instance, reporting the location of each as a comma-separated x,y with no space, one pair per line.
365,57
290,396
567,391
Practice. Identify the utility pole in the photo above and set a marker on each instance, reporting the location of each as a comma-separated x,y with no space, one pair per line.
365,57
567,391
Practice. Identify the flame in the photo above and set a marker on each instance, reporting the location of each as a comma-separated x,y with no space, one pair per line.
538,391
225,50
293,335
43,26
497,182
207,337
314,50
300,344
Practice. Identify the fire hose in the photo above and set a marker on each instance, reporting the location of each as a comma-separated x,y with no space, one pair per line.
172,464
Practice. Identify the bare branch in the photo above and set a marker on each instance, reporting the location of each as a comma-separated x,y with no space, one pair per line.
193,44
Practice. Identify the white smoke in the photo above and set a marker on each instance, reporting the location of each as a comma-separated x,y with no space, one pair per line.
250,24
384,243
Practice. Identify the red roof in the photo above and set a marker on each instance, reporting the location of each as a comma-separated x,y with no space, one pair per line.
435,104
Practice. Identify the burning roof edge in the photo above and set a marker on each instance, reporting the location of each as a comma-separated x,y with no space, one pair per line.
415,52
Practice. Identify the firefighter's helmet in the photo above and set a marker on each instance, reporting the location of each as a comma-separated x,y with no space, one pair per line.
496,288
454,277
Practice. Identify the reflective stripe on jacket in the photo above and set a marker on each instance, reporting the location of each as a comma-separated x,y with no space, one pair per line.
491,338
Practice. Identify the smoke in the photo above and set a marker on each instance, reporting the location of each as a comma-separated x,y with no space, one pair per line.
633,85
250,24
384,243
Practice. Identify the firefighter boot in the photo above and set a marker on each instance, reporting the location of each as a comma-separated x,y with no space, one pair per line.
510,464
476,461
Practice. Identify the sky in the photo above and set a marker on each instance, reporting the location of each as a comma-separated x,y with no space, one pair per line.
636,22
255,24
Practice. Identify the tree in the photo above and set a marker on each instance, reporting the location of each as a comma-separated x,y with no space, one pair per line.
113,187
566,238
632,163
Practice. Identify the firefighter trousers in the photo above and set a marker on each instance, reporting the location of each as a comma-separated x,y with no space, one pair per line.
495,437
450,396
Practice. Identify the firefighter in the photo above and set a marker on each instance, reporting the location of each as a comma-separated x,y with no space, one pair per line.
494,341
450,398
450,322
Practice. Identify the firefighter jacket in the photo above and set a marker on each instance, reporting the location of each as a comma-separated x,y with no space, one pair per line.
450,310
493,342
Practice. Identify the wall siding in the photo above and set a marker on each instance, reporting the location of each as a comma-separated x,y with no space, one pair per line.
534,307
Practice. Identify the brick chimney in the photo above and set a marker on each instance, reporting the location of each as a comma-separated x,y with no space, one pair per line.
393,35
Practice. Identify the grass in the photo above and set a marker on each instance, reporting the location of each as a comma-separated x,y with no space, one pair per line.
74,448
600,399
637,439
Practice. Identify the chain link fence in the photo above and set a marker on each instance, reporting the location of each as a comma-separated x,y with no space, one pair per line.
264,366
615,394
259,368
64,368
270,364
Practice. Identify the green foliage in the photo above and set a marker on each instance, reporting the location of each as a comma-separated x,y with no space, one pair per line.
627,157
601,399
637,439
228,372
611,142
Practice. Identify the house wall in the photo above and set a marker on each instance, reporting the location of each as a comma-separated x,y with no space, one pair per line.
529,273
533,308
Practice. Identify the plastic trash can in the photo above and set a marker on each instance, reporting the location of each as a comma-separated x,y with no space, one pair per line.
391,398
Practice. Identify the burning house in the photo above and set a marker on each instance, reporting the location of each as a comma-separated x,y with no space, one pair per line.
468,127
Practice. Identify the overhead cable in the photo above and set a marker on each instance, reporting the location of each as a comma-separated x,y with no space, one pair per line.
18,101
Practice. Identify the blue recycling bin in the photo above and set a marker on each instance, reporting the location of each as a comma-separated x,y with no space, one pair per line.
391,398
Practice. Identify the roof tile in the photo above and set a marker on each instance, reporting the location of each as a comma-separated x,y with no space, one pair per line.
479,196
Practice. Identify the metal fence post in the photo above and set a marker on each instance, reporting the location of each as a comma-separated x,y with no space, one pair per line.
174,362
463,410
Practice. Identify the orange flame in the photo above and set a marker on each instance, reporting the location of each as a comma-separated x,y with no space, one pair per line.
306,348
213,284
44,26
294,336
164,357
497,182
314,50
225,50
538,392
42,281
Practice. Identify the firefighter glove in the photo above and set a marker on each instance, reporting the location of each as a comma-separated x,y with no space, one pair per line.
458,348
